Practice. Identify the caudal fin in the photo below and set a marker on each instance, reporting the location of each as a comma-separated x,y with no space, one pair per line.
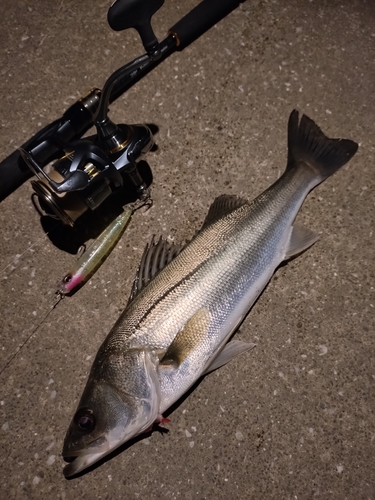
307,144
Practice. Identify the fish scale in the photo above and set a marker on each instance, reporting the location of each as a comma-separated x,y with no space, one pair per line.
183,311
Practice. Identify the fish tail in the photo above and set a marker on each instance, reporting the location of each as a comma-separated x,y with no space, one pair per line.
309,147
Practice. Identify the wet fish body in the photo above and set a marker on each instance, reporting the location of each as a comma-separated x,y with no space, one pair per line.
187,302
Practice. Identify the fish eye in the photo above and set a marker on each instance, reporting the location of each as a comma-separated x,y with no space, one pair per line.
85,420
67,278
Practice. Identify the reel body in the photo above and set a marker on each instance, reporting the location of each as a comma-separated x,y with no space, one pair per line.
88,173
75,175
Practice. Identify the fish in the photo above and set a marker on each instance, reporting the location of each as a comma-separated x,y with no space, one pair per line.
93,258
187,301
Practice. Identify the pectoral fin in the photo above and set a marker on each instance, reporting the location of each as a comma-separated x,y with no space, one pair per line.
191,337
230,351
301,238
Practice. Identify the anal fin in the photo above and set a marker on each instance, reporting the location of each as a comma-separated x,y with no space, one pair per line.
301,238
230,351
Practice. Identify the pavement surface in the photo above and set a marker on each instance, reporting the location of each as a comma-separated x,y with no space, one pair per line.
292,419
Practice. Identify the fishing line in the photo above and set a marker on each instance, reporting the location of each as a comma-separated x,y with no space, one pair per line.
58,298
60,294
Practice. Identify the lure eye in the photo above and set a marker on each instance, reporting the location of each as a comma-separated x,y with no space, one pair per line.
85,419
67,278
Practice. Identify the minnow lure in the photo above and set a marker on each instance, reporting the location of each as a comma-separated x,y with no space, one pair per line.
86,265
94,257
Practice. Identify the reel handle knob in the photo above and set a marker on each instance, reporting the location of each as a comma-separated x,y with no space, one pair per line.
124,14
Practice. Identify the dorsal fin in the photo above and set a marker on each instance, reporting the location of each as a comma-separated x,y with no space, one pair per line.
223,205
155,257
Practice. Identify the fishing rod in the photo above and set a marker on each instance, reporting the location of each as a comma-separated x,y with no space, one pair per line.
83,173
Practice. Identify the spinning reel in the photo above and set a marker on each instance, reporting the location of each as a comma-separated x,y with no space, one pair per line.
82,173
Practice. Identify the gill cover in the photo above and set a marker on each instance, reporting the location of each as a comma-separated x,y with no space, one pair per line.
120,401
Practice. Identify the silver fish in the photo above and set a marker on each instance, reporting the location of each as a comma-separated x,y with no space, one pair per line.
187,302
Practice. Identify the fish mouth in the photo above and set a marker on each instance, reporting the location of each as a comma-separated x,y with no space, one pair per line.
80,462
81,459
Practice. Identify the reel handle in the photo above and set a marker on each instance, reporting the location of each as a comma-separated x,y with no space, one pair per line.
124,14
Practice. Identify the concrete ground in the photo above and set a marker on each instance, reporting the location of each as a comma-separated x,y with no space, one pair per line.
292,419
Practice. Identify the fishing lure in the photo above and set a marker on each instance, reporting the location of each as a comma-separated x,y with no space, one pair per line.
86,265
94,257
